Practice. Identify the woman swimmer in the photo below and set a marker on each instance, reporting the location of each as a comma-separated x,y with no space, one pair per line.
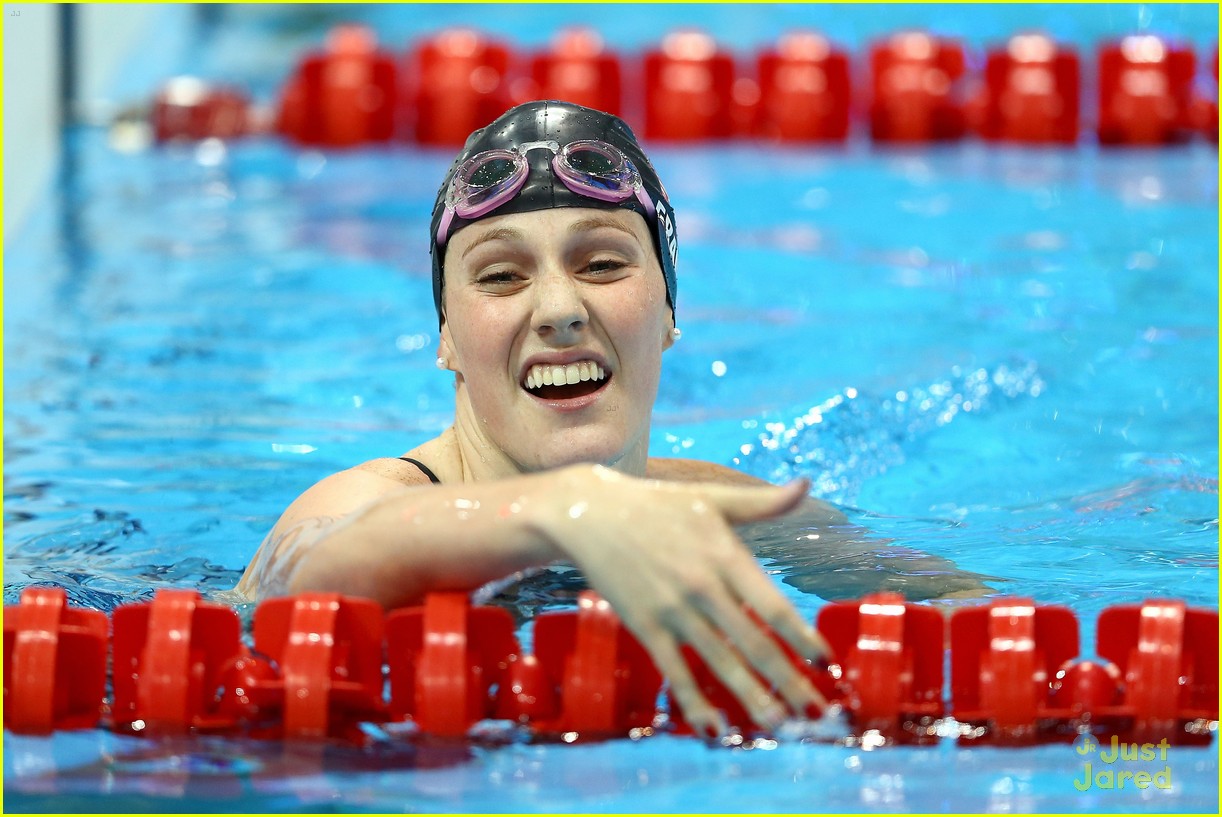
553,246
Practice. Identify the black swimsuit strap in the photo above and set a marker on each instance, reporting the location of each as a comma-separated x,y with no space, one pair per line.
424,469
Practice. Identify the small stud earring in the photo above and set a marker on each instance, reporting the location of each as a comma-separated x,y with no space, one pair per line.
676,333
441,363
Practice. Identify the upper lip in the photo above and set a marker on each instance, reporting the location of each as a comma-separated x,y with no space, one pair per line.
562,359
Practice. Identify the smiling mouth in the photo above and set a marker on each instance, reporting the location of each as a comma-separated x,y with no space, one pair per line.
565,381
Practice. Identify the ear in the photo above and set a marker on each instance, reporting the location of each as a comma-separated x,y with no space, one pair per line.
445,348
668,339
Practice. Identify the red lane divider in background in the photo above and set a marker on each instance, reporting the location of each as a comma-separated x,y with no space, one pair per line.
345,95
688,89
915,87
916,92
317,670
804,90
1204,110
1030,94
1145,91
456,81
577,68
187,108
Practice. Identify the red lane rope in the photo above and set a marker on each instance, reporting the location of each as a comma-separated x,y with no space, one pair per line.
911,87
322,661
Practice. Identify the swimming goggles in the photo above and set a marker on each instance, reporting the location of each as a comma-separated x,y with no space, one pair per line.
589,168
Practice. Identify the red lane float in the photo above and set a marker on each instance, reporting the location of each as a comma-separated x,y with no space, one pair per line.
316,670
353,92
803,90
457,81
445,658
914,94
169,656
889,663
187,108
1031,92
578,68
606,681
688,89
1168,657
1003,658
342,96
1145,88
452,666
54,663
328,649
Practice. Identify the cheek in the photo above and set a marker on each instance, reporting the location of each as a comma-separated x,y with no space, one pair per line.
482,335
639,334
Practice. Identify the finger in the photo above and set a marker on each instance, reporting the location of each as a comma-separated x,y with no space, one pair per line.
765,655
759,593
740,505
728,666
705,719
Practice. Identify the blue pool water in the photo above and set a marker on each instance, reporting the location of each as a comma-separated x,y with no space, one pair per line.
1012,355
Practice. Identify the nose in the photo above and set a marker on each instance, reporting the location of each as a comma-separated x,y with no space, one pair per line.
560,311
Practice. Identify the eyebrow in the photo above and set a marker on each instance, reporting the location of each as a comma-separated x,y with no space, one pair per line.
595,222
584,225
499,234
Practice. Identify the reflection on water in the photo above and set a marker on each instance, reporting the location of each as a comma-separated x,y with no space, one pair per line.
661,775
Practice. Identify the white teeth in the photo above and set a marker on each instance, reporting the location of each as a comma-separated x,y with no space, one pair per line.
547,375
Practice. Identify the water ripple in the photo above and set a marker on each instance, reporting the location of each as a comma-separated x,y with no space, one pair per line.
853,436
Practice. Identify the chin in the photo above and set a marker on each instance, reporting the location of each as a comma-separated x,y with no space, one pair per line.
576,449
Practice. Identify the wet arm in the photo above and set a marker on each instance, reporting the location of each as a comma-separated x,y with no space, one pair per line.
820,552
663,554
365,535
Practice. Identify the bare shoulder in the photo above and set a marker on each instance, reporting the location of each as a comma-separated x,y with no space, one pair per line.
345,491
321,506
394,469
680,470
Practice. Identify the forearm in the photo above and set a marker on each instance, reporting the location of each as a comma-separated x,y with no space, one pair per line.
821,552
409,542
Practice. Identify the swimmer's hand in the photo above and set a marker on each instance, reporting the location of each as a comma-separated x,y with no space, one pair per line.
664,554
666,557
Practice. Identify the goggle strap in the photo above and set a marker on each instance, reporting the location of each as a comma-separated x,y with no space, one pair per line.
443,229
643,197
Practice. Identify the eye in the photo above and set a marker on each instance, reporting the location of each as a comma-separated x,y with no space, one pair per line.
604,266
496,277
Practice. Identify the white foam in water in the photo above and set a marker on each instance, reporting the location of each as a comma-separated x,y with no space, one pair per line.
853,436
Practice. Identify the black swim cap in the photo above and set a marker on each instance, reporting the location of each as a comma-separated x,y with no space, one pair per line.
560,122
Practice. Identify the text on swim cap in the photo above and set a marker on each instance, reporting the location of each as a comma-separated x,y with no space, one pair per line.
672,244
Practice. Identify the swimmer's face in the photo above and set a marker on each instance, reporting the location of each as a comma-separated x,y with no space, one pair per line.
535,301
